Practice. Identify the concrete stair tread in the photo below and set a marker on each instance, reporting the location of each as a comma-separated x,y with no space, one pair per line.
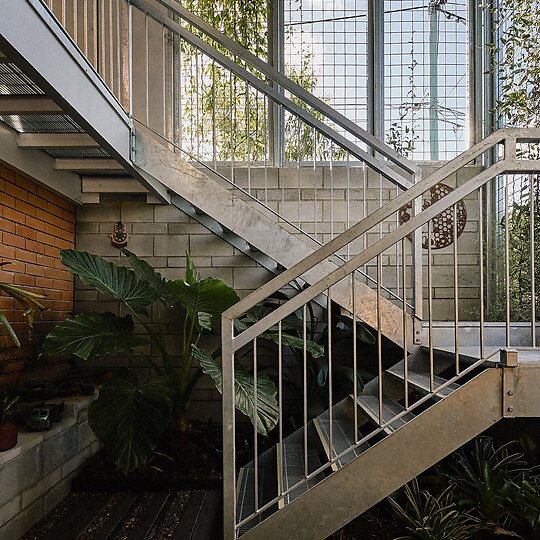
342,438
420,380
370,405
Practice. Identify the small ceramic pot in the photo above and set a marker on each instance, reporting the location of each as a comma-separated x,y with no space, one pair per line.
8,436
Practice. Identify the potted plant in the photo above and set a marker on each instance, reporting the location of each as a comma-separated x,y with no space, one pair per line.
8,430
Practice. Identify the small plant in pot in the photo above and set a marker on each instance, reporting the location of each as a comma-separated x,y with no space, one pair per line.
8,430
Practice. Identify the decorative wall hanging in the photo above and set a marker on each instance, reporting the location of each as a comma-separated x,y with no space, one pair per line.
442,225
119,235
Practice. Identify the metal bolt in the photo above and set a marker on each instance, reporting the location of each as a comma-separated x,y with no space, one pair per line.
510,393
510,409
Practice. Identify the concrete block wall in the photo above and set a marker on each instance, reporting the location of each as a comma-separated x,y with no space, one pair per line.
36,474
162,235
312,198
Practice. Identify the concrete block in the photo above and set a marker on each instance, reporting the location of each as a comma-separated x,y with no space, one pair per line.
10,509
59,449
207,245
187,228
53,496
169,214
141,244
44,485
85,436
137,212
18,525
149,228
98,213
97,243
75,462
250,278
20,474
170,245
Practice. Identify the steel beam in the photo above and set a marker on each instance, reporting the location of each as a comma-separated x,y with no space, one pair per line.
111,185
28,104
38,165
56,140
46,53
86,164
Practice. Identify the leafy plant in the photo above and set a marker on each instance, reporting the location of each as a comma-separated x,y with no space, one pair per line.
429,517
133,412
28,300
7,406
486,477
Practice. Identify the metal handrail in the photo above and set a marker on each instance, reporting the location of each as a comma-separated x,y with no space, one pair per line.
289,85
278,98
407,197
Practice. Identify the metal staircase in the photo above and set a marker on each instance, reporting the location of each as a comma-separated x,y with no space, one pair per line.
336,465
463,379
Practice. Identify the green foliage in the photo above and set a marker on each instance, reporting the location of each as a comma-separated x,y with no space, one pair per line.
266,414
7,407
429,517
93,334
485,478
129,418
118,416
28,300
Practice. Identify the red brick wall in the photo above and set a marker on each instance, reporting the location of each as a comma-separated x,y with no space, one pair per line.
34,225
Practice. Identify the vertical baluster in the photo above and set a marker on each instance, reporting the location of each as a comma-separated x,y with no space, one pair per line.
265,144
146,71
130,57
248,137
533,266
430,304
355,357
180,94
398,244
76,21
111,50
456,287
315,213
330,377
348,197
405,335
164,78
481,264
507,260
298,178
198,105
119,66
331,191
364,202
102,53
214,120
305,382
85,28
379,341
255,434
280,409
231,116
64,17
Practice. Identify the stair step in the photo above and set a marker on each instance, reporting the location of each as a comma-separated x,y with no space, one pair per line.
245,496
342,438
420,381
293,470
370,405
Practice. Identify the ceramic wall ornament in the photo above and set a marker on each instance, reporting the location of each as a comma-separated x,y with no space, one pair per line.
119,237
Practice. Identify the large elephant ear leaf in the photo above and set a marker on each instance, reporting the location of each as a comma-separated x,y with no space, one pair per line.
130,418
265,416
192,273
109,278
209,296
146,273
93,334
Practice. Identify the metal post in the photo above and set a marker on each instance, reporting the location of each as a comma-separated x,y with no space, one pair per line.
375,77
276,58
229,452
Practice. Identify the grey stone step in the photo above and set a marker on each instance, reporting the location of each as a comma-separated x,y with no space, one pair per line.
342,438
420,381
370,405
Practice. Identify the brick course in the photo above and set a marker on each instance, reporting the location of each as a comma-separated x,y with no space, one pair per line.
34,225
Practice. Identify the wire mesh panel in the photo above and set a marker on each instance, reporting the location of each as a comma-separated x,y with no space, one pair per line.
326,52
